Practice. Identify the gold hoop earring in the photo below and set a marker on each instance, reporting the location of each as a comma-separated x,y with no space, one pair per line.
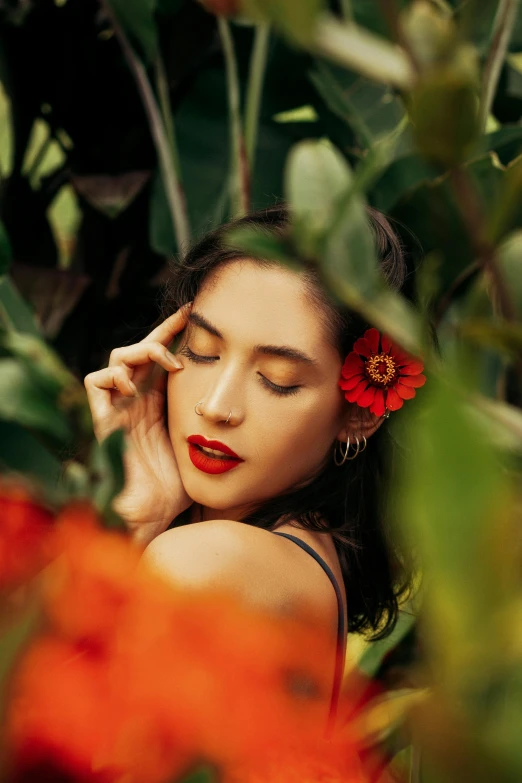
339,445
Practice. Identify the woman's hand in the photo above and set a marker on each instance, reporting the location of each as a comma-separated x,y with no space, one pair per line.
130,394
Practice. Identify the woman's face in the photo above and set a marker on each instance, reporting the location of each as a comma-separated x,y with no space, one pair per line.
255,346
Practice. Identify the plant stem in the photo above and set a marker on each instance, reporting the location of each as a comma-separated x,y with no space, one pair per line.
502,29
166,112
347,10
471,212
169,173
415,764
255,90
239,173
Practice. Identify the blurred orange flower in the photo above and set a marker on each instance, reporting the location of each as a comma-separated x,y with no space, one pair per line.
136,681
25,536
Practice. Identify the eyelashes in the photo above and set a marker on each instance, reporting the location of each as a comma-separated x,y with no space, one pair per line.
282,391
195,357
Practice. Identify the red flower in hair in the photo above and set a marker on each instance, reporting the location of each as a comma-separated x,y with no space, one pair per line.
380,377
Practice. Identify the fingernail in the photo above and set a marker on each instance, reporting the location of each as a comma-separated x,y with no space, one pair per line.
134,388
175,362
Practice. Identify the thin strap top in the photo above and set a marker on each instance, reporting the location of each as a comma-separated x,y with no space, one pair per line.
341,631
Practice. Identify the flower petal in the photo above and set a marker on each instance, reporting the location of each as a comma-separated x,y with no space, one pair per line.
373,336
386,343
405,392
400,356
413,367
413,380
367,397
377,406
350,383
363,346
352,364
353,395
393,401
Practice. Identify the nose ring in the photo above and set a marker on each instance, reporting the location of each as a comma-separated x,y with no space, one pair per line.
196,408
229,415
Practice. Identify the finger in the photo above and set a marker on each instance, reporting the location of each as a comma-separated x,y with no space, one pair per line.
166,331
100,385
143,353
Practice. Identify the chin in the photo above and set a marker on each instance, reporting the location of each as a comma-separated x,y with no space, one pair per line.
217,496
208,491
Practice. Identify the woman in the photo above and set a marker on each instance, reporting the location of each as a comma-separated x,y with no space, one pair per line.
246,423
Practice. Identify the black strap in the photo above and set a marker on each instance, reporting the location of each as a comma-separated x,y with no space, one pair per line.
341,632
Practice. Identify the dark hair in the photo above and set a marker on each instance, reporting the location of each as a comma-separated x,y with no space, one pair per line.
346,501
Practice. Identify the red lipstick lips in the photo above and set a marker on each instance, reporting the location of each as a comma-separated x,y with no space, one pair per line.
208,463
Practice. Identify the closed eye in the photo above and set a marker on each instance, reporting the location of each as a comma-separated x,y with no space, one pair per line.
196,357
275,388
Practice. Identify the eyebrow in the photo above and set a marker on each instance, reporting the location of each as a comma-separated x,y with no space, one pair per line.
283,351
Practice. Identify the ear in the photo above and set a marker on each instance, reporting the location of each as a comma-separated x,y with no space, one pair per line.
358,422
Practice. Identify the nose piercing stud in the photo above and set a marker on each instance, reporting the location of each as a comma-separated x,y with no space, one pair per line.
196,408
229,415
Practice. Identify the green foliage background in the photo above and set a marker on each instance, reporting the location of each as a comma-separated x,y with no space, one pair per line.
129,128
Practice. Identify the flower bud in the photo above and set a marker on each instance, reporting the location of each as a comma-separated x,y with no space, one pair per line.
444,110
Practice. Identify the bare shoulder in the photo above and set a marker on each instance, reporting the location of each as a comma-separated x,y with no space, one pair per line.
217,553
260,567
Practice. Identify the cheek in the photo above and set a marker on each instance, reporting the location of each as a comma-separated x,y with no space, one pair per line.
303,430
181,397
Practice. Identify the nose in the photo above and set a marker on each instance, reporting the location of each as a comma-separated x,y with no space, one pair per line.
222,403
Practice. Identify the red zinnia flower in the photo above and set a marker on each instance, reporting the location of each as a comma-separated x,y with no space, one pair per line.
380,378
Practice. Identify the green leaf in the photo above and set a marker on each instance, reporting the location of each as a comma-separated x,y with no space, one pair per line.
412,193
449,498
21,452
506,337
137,20
316,177
6,252
24,402
161,230
371,110
477,17
106,464
502,423
444,114
357,49
14,312
385,309
260,244
331,223
368,14
374,654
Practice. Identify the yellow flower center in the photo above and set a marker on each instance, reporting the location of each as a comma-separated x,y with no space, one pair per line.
381,369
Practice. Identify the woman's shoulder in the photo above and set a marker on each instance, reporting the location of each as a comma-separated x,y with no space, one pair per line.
212,553
262,568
